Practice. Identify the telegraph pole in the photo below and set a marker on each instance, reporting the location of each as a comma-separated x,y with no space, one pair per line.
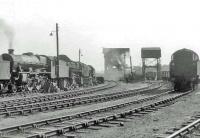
79,55
124,66
57,65
131,67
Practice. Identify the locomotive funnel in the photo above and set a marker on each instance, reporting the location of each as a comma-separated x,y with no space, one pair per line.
11,51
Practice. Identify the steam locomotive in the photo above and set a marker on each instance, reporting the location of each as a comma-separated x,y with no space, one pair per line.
28,70
184,69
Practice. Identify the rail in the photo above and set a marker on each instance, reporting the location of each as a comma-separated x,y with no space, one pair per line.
58,131
22,101
185,130
59,104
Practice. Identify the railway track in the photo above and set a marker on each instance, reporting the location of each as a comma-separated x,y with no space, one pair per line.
61,125
187,129
55,96
27,108
2,95
24,93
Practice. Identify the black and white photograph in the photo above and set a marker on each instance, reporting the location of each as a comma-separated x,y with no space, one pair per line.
99,69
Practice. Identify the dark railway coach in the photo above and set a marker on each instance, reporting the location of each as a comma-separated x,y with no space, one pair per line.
184,69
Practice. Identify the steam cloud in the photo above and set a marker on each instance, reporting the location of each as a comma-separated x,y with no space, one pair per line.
115,57
8,31
115,62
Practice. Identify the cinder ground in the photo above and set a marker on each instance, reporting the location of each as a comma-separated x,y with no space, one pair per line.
15,120
121,86
152,124
17,96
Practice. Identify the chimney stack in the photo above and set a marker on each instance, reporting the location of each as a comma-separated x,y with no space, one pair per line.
11,51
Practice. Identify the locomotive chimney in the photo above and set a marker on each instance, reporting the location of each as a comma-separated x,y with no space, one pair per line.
10,50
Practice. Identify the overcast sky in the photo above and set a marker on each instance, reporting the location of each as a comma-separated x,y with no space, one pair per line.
93,24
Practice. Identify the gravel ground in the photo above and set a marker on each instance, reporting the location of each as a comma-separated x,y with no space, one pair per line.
153,124
120,87
106,113
42,94
6,122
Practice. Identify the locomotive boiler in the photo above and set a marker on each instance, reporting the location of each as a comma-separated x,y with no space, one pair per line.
184,69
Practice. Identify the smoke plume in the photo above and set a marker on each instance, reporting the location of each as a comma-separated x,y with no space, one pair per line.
115,57
8,31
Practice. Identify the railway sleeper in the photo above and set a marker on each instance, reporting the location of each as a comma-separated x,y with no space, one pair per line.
72,128
143,112
169,132
184,124
41,135
175,129
22,129
150,110
60,132
43,98
35,125
183,133
112,118
197,116
104,125
8,113
52,121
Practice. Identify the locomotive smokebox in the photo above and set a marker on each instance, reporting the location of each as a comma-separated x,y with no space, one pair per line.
11,51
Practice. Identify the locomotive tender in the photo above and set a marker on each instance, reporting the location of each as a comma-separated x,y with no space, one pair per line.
20,70
184,69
